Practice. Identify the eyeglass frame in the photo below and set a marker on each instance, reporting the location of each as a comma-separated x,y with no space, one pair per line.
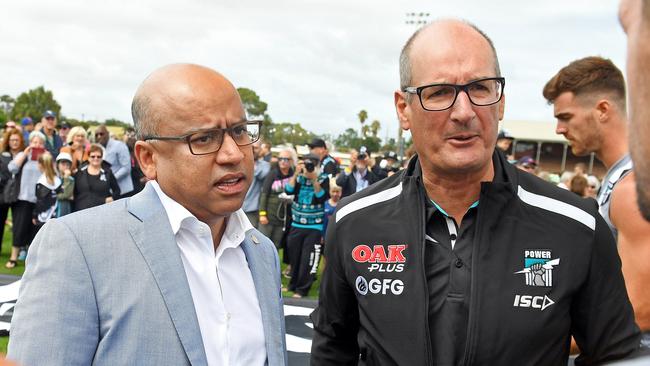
187,137
457,88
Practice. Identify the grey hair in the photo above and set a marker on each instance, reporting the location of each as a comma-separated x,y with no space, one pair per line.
293,153
35,134
143,116
405,75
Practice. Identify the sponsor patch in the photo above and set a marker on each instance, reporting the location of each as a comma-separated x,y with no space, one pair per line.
535,302
538,267
390,258
384,286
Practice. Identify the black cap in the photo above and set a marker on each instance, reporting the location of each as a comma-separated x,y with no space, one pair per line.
65,125
505,134
317,143
363,152
390,155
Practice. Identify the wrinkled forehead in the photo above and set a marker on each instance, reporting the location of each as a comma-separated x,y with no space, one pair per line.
451,53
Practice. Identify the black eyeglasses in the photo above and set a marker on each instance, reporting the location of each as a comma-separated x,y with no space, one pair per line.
209,141
286,160
438,97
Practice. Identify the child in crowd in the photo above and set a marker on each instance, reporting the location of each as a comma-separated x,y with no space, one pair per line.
330,205
65,197
47,187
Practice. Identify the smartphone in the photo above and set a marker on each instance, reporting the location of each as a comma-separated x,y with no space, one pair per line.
37,152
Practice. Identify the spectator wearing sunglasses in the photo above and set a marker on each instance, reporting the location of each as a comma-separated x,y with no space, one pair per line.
117,155
94,184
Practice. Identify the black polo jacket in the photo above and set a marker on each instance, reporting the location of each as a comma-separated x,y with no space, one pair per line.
544,267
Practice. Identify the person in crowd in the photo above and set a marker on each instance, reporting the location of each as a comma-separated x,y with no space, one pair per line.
137,176
635,19
593,186
77,146
273,209
10,125
265,152
391,165
527,164
579,185
12,144
310,187
565,180
47,188
261,169
462,254
328,164
94,184
504,143
330,204
580,168
359,177
64,198
53,142
175,275
64,130
589,102
24,167
28,127
117,155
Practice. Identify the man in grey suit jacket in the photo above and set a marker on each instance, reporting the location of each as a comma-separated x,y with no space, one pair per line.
175,275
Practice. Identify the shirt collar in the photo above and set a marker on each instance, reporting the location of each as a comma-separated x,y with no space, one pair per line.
237,224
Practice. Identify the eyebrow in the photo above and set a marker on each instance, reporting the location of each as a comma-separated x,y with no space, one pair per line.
563,115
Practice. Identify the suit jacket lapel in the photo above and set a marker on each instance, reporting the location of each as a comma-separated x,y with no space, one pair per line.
265,272
156,242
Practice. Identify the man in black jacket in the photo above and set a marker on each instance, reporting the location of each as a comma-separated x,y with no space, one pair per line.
461,259
359,177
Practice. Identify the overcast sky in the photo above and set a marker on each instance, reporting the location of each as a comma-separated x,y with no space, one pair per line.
313,62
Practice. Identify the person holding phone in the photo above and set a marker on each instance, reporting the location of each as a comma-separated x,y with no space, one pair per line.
25,166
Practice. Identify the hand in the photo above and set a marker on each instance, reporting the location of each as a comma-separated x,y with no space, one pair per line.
109,199
27,150
264,220
34,222
538,273
67,173
300,169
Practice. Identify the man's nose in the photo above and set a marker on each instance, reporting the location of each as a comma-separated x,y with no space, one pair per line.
463,109
230,152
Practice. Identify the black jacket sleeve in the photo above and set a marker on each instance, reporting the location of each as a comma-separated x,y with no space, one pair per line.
112,182
266,189
336,319
602,316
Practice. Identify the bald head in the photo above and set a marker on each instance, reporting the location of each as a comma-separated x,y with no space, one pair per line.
176,91
452,30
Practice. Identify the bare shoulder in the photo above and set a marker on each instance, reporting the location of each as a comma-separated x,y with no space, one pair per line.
625,212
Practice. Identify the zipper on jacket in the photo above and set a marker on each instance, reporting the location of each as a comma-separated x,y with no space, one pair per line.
422,242
473,300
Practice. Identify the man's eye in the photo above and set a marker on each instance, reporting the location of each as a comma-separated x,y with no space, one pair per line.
204,138
239,130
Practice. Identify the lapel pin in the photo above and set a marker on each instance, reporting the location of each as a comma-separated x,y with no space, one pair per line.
255,239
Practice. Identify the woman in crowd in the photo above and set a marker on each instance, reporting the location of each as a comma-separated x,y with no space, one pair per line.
25,167
273,210
594,185
47,187
94,185
77,147
12,144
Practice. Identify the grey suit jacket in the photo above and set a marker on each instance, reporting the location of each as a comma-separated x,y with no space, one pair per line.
106,286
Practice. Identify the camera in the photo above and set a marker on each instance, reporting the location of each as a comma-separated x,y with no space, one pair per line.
309,165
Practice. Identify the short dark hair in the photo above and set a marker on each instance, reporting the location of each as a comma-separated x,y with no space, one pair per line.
96,148
586,76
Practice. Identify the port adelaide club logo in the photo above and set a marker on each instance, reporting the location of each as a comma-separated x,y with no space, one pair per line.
382,259
538,272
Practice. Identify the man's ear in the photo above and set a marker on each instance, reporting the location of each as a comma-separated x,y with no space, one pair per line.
146,156
402,108
603,110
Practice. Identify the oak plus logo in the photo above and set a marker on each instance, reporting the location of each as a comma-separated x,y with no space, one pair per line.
390,258
379,286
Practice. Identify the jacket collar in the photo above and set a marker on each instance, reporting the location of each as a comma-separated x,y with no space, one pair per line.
154,238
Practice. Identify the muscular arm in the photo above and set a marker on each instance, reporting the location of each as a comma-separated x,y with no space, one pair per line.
633,247
55,320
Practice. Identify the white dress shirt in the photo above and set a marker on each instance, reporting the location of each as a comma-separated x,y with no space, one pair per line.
221,285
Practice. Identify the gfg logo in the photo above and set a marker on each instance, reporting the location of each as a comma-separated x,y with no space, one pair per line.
377,286
536,302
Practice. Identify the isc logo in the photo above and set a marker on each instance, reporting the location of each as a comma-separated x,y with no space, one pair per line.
376,286
536,302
